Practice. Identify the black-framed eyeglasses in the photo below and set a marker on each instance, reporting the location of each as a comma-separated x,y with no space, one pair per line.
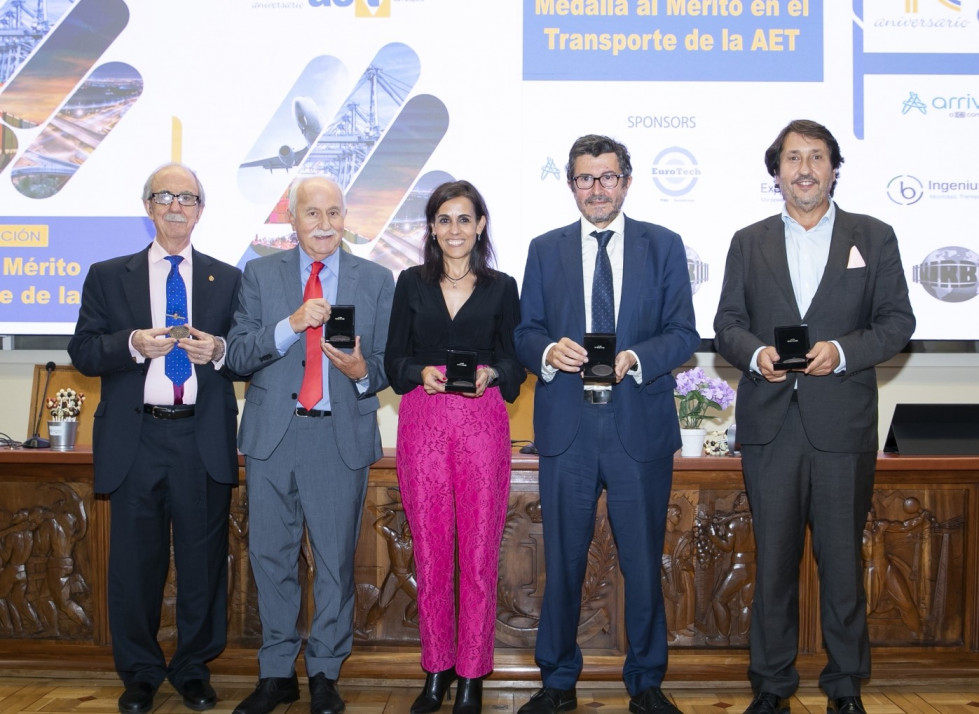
165,198
586,181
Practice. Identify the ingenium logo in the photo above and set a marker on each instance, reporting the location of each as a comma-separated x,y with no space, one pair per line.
362,8
905,190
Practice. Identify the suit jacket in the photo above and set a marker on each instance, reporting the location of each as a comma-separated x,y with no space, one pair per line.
655,320
866,309
116,301
271,290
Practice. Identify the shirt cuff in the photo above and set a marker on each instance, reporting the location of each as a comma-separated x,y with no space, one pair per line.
137,356
219,363
636,371
842,368
547,372
284,336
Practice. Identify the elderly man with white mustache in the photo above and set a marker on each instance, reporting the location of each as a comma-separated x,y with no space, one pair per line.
309,433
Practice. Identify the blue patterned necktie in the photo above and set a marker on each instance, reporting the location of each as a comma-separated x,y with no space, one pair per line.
602,295
176,362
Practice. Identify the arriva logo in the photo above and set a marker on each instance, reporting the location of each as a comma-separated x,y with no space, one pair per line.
362,8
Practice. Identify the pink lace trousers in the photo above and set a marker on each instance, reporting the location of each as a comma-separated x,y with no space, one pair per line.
454,471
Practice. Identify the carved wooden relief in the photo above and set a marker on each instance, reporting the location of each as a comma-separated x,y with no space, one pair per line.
913,549
913,554
45,568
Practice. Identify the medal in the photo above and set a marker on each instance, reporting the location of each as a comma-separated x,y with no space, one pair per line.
179,332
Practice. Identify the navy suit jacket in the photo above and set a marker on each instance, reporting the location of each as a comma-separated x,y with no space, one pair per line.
115,302
271,290
866,309
655,320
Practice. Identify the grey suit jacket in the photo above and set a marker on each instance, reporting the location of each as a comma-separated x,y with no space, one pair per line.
866,309
271,289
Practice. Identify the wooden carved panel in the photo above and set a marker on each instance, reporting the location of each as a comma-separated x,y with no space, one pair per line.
45,565
914,560
708,569
387,609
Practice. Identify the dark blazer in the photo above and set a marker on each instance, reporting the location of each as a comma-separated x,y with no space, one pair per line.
655,319
271,290
866,309
116,301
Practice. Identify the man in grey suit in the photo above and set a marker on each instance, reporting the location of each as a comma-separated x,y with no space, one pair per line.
809,434
309,434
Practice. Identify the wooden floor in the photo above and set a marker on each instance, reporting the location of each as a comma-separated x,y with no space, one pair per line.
98,696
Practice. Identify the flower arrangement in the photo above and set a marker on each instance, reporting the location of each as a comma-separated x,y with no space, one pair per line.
66,405
697,394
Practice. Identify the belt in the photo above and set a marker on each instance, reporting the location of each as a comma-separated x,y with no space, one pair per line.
598,396
313,412
169,411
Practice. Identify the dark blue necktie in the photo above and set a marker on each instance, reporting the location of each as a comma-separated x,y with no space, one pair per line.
602,295
176,362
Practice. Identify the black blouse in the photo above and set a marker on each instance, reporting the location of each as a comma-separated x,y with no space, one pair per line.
421,330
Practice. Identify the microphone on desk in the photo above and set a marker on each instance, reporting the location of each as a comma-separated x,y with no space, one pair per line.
36,442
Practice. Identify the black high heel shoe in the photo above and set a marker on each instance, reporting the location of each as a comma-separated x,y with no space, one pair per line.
435,690
469,696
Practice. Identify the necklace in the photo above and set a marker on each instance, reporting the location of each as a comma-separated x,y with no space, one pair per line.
455,281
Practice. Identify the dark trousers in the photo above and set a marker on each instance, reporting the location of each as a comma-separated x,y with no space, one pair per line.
167,490
789,484
637,497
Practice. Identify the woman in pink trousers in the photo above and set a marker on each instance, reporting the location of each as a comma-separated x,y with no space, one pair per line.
454,446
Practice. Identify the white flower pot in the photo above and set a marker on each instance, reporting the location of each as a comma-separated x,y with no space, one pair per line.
693,442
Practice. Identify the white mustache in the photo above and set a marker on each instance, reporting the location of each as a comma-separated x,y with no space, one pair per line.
175,217
323,234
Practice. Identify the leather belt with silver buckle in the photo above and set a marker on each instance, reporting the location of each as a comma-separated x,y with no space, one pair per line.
167,411
598,396
312,412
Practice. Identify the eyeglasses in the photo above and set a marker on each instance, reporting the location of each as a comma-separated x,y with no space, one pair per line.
165,198
586,181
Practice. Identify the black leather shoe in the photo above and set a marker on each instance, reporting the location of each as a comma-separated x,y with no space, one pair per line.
845,705
137,699
270,692
652,701
768,703
435,690
324,695
469,696
548,700
198,694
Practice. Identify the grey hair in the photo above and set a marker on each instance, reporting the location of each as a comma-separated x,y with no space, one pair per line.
148,186
301,181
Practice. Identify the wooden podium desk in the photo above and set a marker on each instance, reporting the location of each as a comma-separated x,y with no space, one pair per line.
921,546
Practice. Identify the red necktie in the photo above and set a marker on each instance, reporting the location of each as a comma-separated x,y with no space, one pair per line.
312,389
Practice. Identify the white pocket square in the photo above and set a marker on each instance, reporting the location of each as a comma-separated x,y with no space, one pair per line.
856,260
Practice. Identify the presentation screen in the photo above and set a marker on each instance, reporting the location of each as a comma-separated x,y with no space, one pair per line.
393,97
